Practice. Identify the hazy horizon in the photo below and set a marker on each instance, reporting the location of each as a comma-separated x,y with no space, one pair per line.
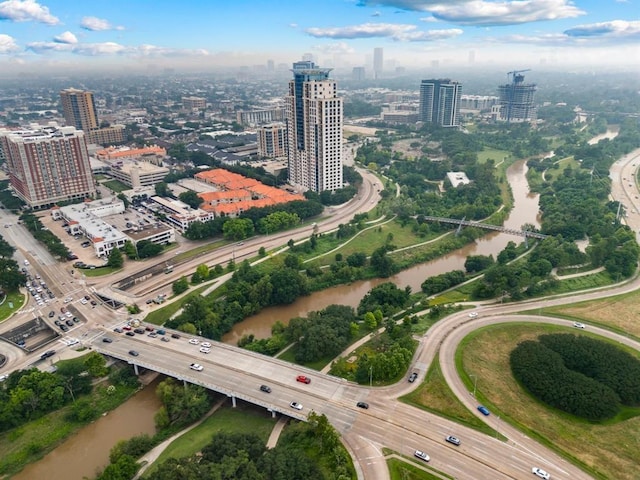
39,36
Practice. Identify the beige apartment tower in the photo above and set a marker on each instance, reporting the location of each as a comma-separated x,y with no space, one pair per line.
79,109
314,129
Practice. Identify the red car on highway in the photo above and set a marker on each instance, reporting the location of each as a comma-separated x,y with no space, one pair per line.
303,379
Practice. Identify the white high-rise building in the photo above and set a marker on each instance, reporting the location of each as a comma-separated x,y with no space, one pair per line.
314,129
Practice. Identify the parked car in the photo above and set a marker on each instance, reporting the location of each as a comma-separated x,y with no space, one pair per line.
117,330
107,340
139,331
412,377
52,314
483,410
303,379
93,302
265,388
364,405
196,366
421,455
69,322
540,473
452,439
296,405
130,334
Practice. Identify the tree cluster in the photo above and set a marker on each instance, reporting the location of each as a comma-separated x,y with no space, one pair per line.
181,404
442,282
40,233
585,377
246,293
11,278
386,297
30,394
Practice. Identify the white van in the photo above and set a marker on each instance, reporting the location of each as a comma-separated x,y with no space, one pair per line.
26,262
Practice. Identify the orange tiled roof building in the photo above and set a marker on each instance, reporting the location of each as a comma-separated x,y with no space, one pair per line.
237,193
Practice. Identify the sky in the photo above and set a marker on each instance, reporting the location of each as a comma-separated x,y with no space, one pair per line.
201,34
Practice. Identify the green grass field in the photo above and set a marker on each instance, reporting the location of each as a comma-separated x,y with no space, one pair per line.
605,451
16,299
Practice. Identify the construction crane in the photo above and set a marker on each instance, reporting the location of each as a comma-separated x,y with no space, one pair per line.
515,74
516,78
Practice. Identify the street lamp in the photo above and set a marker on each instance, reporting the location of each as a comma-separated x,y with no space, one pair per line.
475,383
370,376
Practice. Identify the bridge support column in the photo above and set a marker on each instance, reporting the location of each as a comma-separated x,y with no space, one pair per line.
233,401
135,369
273,414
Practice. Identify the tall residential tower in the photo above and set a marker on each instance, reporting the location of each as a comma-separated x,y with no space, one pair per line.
79,109
378,62
440,102
80,112
47,164
314,129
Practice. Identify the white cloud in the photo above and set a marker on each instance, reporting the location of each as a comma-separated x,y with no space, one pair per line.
25,11
395,31
7,44
428,19
66,37
365,30
336,48
96,24
487,12
615,29
112,48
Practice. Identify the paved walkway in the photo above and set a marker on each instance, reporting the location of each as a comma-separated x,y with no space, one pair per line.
277,430
152,455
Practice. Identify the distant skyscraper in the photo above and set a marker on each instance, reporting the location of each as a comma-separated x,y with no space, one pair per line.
358,74
79,109
378,62
517,100
48,164
440,102
270,66
314,129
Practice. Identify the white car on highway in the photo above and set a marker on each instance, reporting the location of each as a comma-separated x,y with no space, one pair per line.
206,344
205,350
194,341
196,366
296,405
421,455
540,473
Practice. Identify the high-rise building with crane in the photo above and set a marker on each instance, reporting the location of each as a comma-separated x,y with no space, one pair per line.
516,102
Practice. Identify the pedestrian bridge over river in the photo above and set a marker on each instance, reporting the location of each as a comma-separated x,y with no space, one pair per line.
486,226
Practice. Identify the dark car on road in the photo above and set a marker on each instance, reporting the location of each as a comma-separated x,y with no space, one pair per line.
52,314
107,340
133,353
364,405
130,334
412,377
47,354
265,388
483,410
139,331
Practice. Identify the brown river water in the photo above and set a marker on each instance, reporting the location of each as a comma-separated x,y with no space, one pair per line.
87,452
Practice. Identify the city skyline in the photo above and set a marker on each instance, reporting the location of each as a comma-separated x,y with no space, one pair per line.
199,35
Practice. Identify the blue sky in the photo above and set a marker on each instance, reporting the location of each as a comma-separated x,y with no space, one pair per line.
200,33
